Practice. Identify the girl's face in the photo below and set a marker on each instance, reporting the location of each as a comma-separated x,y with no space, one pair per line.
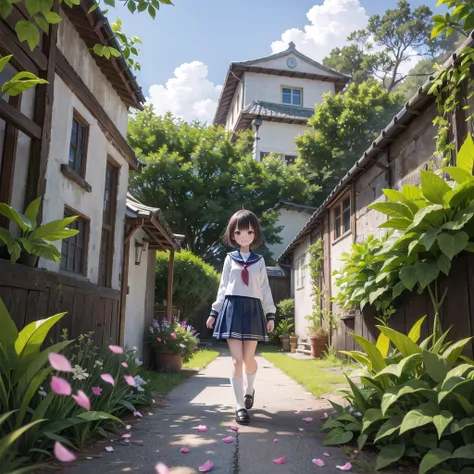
244,237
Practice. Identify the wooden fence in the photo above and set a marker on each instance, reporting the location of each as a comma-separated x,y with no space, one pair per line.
457,311
31,294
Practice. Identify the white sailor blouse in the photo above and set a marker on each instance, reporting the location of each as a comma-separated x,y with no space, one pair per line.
242,277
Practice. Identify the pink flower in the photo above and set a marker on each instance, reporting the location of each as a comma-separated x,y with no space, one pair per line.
59,362
346,467
129,379
137,413
60,386
207,466
116,349
298,412
326,454
173,335
82,400
124,364
185,450
319,462
135,348
279,461
234,428
195,347
107,378
96,390
164,342
307,419
161,469
126,435
63,454
228,440
275,440
182,346
202,428
158,339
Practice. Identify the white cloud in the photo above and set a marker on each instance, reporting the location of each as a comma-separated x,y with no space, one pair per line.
328,28
188,95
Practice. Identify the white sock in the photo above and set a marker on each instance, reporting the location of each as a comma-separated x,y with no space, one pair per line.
250,383
238,387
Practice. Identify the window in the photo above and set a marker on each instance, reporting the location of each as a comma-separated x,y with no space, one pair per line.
108,225
300,272
290,159
78,145
292,96
74,249
342,217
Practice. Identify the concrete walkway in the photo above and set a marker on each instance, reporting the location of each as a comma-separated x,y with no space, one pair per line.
207,399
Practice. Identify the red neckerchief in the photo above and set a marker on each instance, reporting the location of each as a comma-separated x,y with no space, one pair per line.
245,265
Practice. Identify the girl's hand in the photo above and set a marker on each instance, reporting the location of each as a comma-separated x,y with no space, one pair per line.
270,326
210,322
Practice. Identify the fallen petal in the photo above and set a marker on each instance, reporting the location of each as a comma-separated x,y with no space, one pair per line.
228,440
63,454
319,462
128,427
279,461
275,440
346,467
116,349
207,466
126,435
326,454
59,362
60,386
161,469
109,449
130,380
137,413
124,364
301,429
107,378
150,414
89,457
298,412
82,400
185,450
202,428
308,419
234,428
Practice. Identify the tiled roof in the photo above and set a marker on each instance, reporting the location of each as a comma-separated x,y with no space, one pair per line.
270,109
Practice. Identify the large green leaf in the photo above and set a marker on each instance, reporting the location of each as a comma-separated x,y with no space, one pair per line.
383,344
430,216
444,264
429,238
412,192
392,209
389,454
442,421
358,356
426,440
403,343
433,187
394,393
459,425
41,248
451,245
453,352
419,417
371,416
465,155
460,193
415,331
408,277
7,441
23,223
403,366
98,416
8,335
28,32
389,427
426,273
378,362
399,223
358,395
458,174
436,366
452,385
337,436
432,459
13,246
31,212
52,227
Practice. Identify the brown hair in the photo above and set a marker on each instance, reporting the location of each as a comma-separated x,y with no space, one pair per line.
242,220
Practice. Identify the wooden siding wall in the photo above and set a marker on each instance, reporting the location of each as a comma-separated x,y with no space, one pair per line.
457,311
31,294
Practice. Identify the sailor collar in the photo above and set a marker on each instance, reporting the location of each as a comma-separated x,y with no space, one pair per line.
237,256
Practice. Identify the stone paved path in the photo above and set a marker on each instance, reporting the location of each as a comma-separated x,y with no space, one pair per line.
207,399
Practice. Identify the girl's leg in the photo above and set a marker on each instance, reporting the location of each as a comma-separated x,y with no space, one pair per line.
250,365
236,380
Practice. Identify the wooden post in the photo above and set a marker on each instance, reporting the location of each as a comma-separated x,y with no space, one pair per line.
169,306
124,290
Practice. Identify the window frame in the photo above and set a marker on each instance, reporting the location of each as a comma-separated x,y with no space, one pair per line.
69,211
300,272
77,117
292,90
337,213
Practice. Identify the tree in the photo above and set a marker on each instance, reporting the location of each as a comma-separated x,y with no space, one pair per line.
342,129
198,177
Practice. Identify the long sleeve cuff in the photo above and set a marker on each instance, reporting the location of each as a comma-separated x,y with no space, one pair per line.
213,314
270,317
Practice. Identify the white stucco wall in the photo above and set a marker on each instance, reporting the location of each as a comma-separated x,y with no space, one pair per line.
303,299
61,191
337,249
293,221
135,305
278,138
268,88
235,107
80,58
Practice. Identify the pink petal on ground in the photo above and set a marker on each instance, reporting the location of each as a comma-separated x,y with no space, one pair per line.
307,419
82,400
107,378
185,450
116,349
202,428
126,435
60,386
129,379
298,412
279,461
275,440
319,462
161,469
346,467
301,429
326,454
234,428
124,364
63,454
128,427
96,390
207,466
59,362
228,440
137,413
109,449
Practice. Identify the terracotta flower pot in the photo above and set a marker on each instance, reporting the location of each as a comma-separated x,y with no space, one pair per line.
318,346
285,341
168,361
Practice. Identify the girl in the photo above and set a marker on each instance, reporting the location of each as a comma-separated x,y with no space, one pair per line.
243,297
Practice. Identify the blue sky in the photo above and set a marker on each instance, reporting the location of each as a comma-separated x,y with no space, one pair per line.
205,35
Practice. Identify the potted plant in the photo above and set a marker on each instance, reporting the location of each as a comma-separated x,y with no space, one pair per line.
318,332
34,241
293,341
283,329
172,343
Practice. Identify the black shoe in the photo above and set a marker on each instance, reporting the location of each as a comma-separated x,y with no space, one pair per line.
248,399
242,417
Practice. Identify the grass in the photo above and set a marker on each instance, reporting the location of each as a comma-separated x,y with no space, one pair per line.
161,383
309,373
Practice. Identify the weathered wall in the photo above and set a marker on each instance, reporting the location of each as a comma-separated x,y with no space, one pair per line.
278,138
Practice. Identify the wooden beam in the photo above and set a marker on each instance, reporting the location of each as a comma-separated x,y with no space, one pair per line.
124,290
77,86
151,231
133,229
22,122
164,233
43,116
169,299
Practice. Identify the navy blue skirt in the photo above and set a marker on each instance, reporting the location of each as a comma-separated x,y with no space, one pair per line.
241,318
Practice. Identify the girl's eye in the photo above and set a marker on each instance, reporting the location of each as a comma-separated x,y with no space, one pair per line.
237,232
251,232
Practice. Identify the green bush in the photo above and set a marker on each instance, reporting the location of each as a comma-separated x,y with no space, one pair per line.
416,402
286,308
195,282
